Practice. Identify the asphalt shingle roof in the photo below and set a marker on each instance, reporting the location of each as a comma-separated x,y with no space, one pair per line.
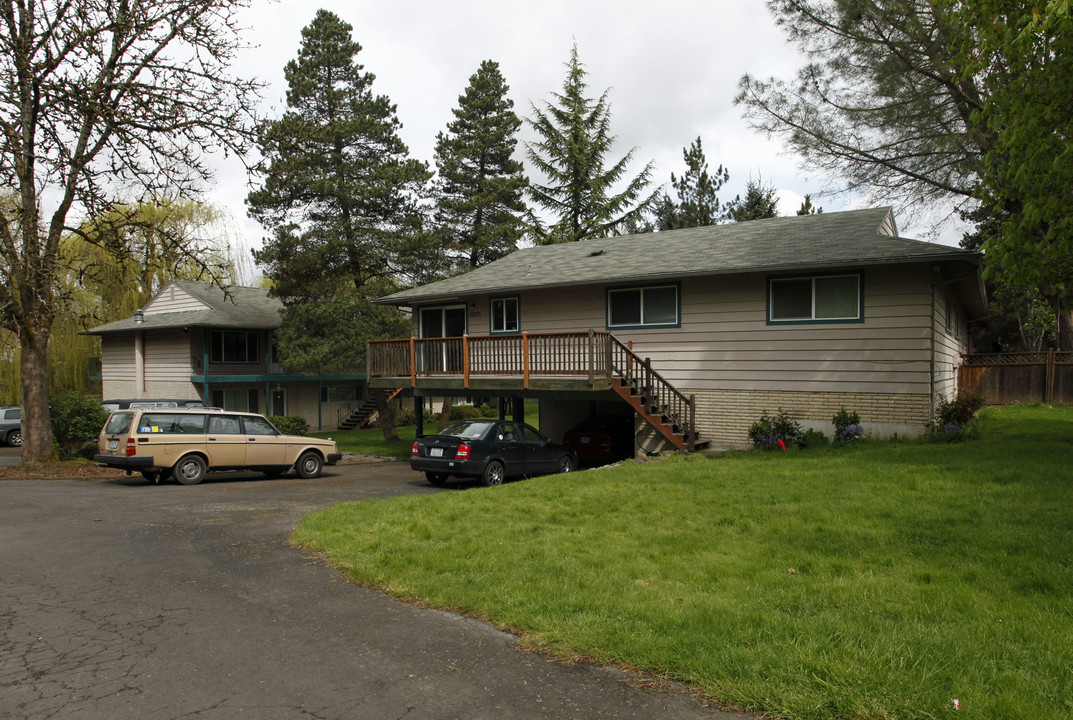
247,308
785,244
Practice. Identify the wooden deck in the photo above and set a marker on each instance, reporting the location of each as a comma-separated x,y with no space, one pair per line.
562,362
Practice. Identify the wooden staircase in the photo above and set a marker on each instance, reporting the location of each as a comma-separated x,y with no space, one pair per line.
360,416
660,404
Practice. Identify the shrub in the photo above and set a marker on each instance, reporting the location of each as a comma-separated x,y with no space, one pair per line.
847,426
767,431
465,412
488,411
814,439
290,424
956,420
77,420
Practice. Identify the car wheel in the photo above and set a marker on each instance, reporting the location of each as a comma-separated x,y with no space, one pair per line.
437,479
14,438
493,474
152,476
308,465
191,470
566,464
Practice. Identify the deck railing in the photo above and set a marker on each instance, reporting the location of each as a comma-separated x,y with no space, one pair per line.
527,355
595,356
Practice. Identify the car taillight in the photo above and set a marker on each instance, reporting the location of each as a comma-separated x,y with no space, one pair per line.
463,452
413,450
132,447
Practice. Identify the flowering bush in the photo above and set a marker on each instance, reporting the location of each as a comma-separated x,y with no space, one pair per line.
955,420
847,426
768,431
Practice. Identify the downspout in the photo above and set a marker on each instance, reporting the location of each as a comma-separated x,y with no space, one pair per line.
205,366
931,348
139,356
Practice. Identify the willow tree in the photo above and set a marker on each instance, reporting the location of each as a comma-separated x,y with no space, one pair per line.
100,102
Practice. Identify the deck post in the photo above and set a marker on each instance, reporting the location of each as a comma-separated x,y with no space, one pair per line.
413,361
525,360
692,423
592,356
465,362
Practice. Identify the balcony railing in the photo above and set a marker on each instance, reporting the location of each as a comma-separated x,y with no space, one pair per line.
528,356
594,359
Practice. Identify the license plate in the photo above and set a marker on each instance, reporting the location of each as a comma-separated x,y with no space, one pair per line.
585,440
435,452
112,444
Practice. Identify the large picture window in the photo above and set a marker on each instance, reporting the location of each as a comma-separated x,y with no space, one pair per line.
505,315
233,346
655,306
822,298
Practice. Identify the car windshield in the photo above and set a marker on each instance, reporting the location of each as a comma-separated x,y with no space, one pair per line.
467,429
118,423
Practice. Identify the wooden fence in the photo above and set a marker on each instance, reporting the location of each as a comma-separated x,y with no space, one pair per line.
1006,378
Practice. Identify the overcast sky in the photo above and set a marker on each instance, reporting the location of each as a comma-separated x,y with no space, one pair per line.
672,70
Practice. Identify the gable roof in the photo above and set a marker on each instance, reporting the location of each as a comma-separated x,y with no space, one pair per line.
787,244
209,307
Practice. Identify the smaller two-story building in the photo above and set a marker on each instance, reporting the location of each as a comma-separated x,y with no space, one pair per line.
194,340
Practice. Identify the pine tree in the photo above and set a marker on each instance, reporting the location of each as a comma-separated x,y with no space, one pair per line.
807,208
698,204
340,196
576,137
479,188
759,202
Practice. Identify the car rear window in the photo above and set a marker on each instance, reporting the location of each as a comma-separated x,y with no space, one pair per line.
468,429
171,423
118,423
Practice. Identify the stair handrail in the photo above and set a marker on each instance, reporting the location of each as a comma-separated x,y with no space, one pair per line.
343,411
664,397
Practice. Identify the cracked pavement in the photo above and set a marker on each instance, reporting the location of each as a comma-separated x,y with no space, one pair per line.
120,599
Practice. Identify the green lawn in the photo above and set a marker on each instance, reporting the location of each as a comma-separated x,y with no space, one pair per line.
877,581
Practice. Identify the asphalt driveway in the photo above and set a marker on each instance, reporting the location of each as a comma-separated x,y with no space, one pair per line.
127,600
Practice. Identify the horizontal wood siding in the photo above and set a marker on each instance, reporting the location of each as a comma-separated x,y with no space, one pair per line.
724,341
167,357
174,299
949,348
117,358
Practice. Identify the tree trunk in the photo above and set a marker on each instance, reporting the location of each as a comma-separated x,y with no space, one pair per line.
386,411
37,445
445,413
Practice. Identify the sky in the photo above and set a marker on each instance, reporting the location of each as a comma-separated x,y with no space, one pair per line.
672,71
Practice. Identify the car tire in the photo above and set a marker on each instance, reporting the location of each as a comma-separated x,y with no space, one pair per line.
14,438
566,464
191,470
309,465
493,474
437,479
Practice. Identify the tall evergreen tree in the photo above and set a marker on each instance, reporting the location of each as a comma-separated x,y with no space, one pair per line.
759,202
576,137
480,188
807,208
698,203
340,196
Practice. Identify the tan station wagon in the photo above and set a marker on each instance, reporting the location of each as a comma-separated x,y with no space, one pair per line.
186,443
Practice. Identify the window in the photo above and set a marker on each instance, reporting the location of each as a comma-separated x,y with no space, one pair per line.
505,315
239,399
643,307
172,424
13,414
951,314
338,393
258,426
224,425
233,346
824,298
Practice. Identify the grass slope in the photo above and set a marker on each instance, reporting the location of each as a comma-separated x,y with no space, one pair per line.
877,581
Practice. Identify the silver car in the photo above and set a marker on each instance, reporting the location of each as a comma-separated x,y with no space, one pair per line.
11,425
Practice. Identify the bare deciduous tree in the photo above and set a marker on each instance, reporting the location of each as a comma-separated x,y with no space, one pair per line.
103,104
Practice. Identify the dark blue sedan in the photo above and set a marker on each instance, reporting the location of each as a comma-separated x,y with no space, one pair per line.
489,450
